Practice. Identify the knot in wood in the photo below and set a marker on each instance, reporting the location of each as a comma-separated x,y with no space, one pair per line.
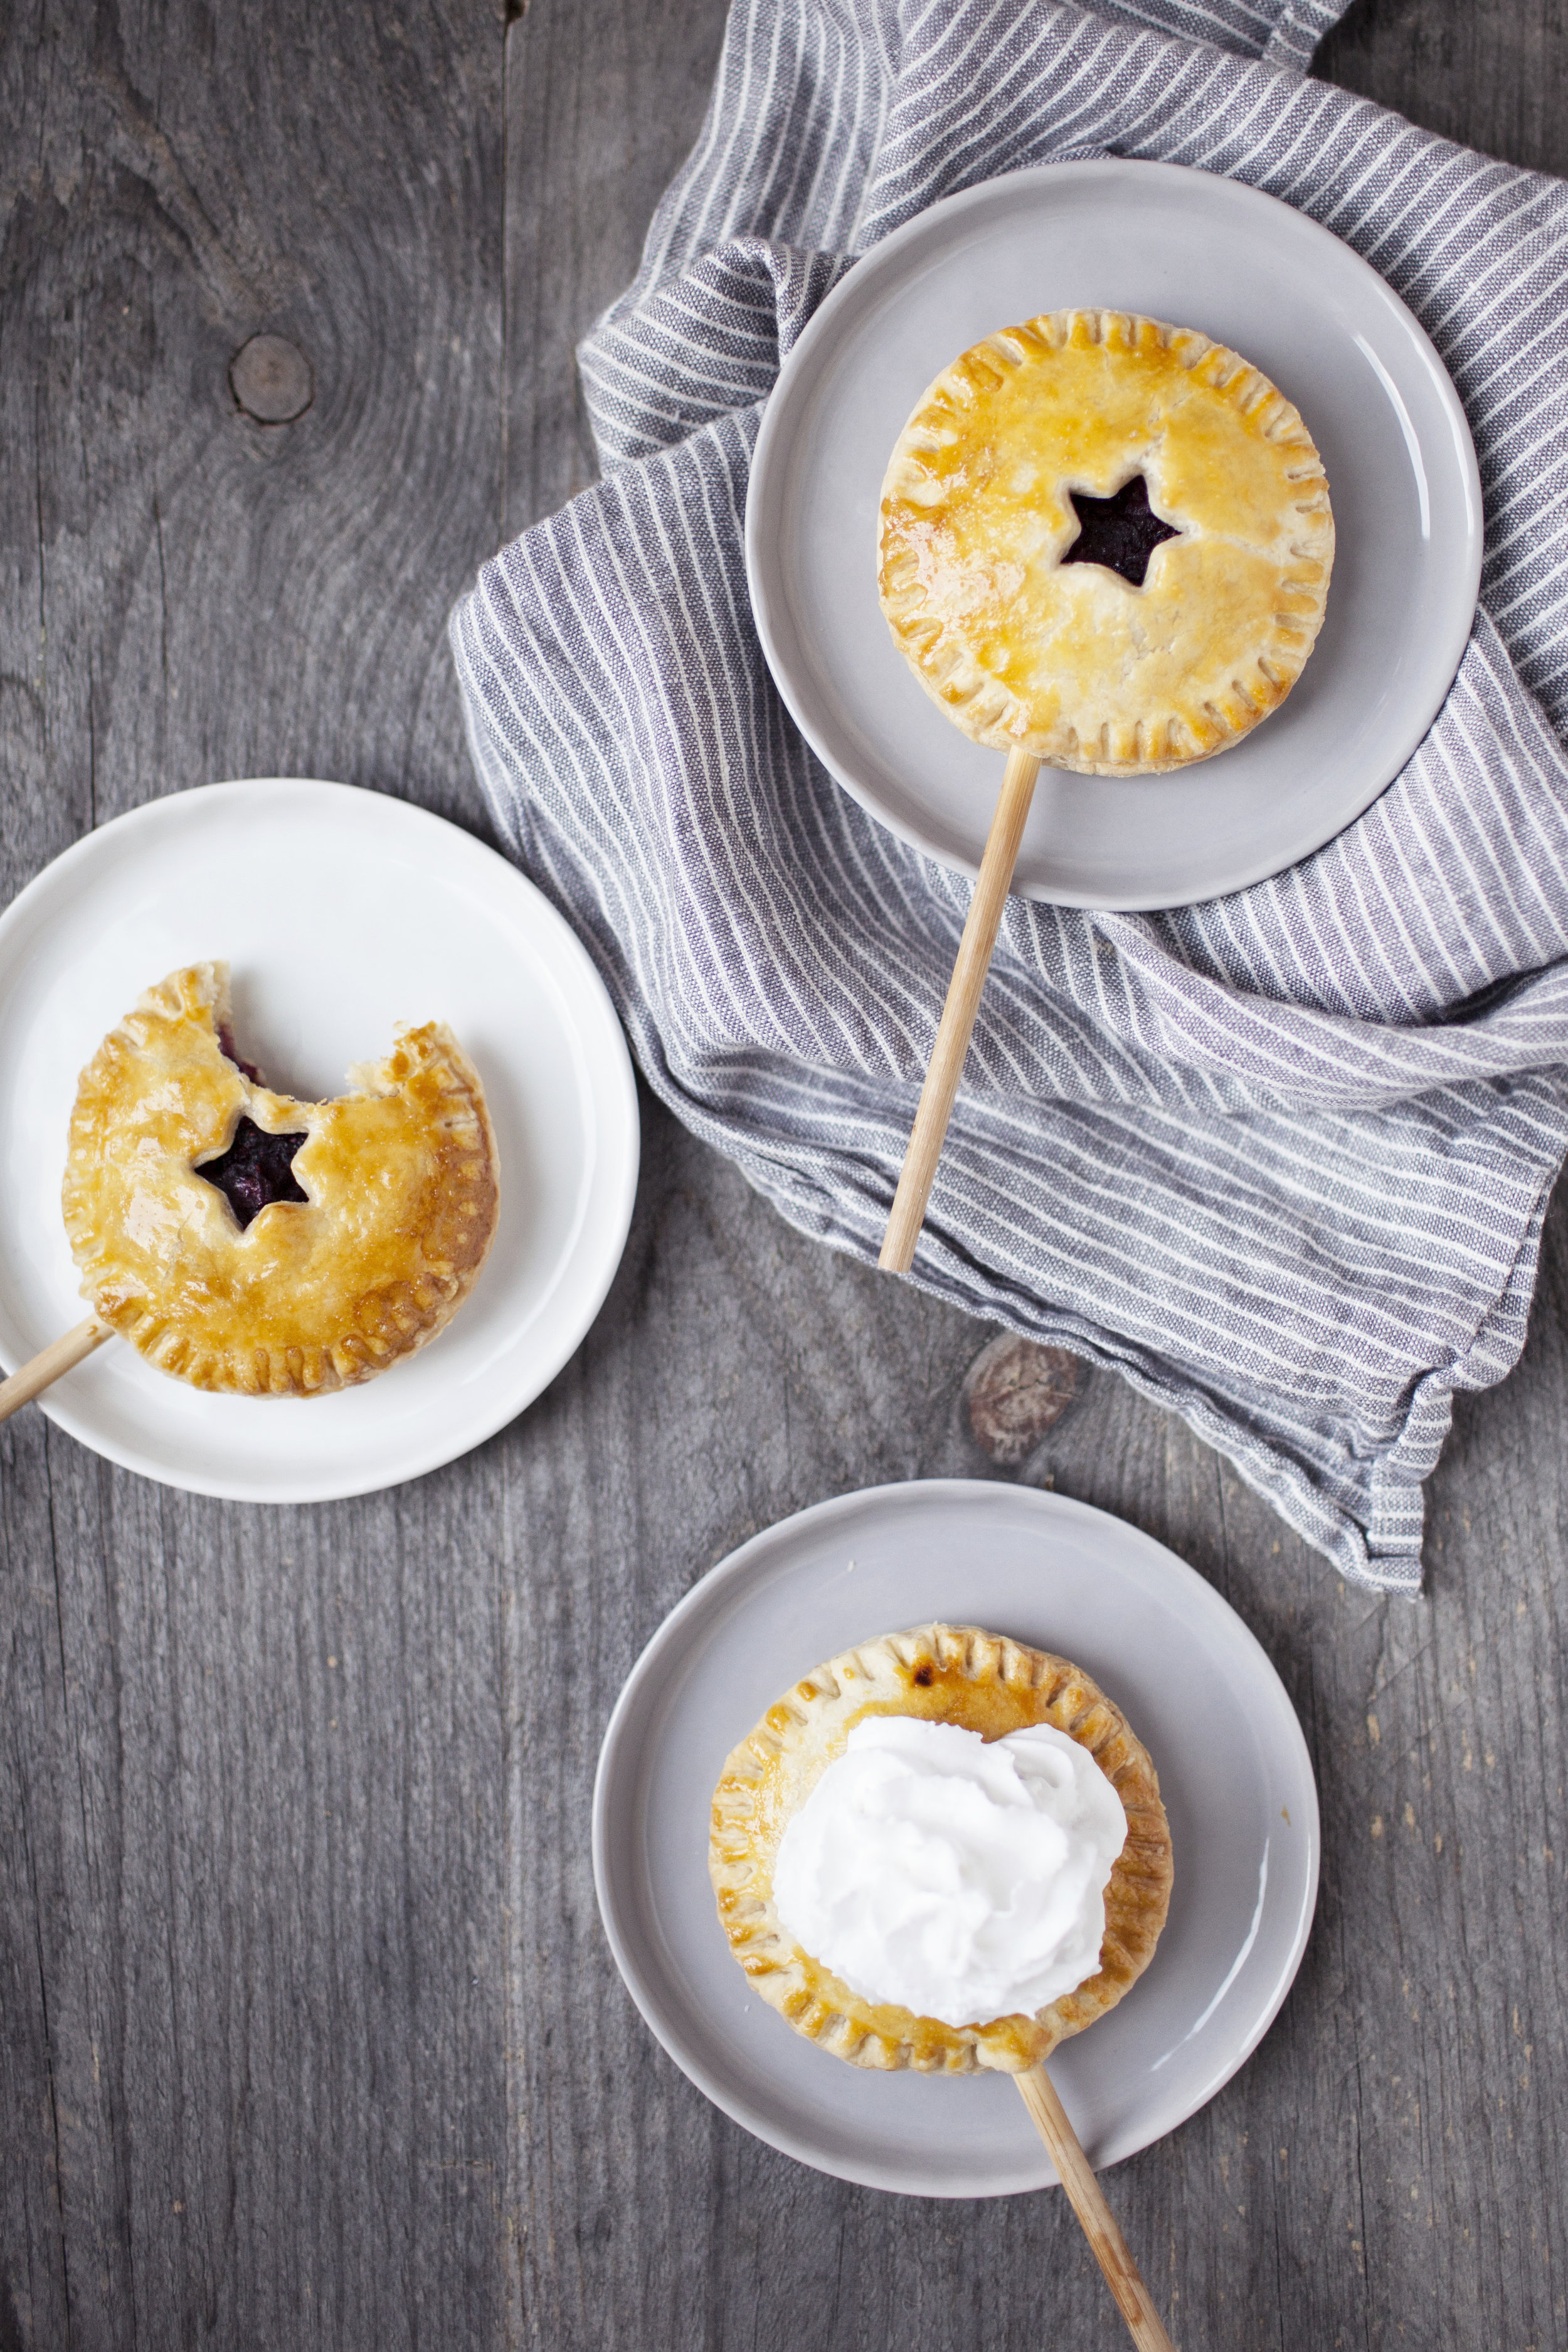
271,380
1015,1390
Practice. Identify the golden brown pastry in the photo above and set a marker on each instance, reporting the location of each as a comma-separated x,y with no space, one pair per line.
246,1242
985,1684
1105,541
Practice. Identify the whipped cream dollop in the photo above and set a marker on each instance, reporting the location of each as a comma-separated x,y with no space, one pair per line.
963,1878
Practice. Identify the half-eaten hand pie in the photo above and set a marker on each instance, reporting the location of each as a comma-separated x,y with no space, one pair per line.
918,1835
1106,541
246,1242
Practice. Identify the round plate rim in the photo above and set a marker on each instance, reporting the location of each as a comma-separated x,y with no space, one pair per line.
744,1561
763,580
614,1092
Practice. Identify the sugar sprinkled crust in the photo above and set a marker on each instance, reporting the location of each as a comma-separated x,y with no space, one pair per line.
401,1175
1068,661
949,1674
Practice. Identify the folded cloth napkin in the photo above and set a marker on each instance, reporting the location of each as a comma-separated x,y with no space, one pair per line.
1283,1159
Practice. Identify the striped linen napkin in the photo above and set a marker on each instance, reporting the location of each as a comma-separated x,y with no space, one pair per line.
1283,1159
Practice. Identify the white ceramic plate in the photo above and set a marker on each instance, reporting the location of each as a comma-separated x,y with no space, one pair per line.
1197,1689
1203,252
341,913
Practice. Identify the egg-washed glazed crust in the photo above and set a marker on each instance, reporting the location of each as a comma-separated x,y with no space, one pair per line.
948,1673
1070,661
402,1182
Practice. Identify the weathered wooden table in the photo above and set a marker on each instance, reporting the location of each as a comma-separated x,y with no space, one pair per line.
310,2034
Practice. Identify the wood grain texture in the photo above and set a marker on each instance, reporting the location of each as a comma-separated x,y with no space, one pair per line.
310,2034
1361,2181
251,1811
1489,73
604,99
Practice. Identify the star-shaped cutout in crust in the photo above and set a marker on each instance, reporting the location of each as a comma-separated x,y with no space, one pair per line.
257,1170
1119,532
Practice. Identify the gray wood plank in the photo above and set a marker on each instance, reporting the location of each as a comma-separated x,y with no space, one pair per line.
1489,73
1356,2182
252,2072
310,2032
604,99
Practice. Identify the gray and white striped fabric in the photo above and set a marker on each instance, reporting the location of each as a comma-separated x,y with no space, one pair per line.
1281,1159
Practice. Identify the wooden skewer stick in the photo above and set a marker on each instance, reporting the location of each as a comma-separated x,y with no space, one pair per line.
969,970
1122,2275
50,1362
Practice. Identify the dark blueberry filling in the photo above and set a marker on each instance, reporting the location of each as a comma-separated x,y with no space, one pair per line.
256,1169
1121,532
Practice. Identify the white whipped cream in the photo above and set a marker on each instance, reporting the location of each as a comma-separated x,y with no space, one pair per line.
963,1878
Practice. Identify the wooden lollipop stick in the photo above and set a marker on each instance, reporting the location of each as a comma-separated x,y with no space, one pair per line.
50,1362
1122,2275
969,970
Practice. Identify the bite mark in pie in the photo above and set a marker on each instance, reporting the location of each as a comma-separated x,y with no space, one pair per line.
1025,641
244,1241
983,1683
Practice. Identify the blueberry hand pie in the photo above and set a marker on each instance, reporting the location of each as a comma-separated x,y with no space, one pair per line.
1105,541
941,1849
249,1243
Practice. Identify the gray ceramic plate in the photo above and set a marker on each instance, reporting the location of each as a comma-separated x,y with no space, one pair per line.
1205,252
1195,1685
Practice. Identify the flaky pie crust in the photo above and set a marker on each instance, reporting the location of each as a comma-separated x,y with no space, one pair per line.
1070,661
949,1674
402,1182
